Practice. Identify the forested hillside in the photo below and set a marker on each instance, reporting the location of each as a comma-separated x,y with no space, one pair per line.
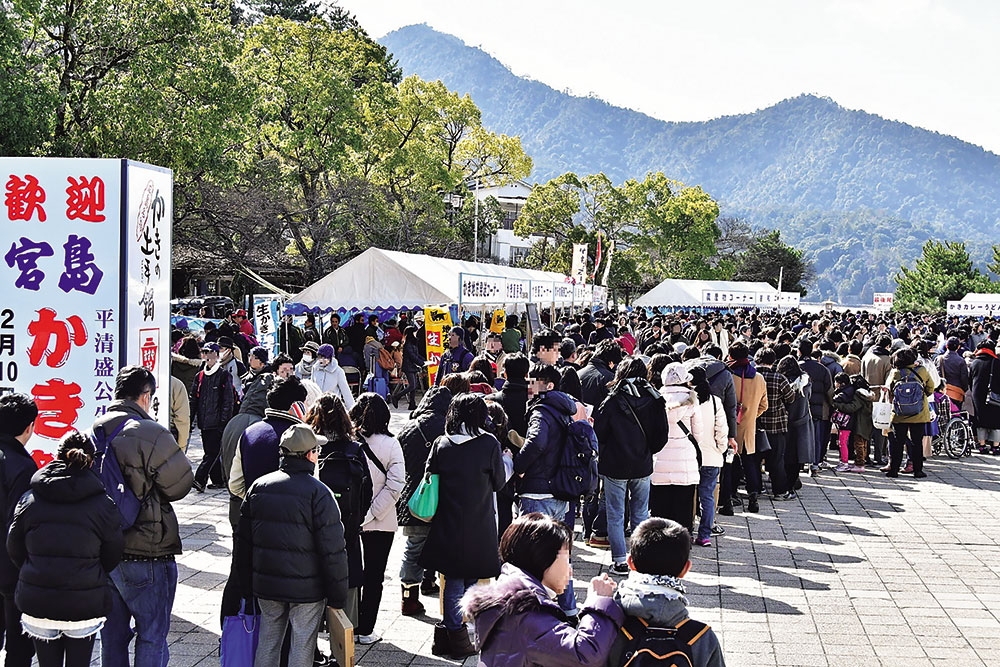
859,192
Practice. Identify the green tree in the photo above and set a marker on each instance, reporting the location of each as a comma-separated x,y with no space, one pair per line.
944,272
994,264
767,258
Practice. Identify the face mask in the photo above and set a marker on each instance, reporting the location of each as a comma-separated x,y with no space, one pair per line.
307,358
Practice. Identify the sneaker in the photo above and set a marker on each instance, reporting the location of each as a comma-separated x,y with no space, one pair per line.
843,467
215,487
788,495
703,542
596,542
814,472
752,505
726,510
908,468
884,468
199,486
620,569
366,640
856,468
718,530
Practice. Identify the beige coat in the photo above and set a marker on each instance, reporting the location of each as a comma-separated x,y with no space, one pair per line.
754,399
180,412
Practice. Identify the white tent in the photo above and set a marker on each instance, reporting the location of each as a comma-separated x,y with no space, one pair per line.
691,293
390,279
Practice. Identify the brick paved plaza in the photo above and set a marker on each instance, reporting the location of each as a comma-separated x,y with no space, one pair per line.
862,570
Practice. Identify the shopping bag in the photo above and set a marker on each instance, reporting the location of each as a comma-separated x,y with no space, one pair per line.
423,503
882,415
341,636
239,638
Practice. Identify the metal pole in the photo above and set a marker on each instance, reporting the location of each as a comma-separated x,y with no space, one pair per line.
475,240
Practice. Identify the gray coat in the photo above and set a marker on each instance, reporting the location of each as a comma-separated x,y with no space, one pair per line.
153,465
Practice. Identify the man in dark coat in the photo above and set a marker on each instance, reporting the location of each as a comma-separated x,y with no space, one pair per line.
601,332
596,375
17,424
290,339
334,335
983,377
213,398
820,400
290,550
545,347
513,396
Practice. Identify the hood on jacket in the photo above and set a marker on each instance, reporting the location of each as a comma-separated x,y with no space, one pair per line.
515,591
711,365
58,483
743,368
434,402
330,368
800,383
677,395
657,599
181,359
555,400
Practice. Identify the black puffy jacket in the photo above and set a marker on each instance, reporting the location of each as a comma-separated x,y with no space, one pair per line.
594,379
290,543
514,400
16,469
66,537
416,437
631,426
549,416
213,398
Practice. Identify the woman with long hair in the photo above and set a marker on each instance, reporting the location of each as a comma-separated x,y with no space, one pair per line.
370,416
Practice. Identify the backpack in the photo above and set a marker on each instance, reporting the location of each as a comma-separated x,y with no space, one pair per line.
386,360
908,394
346,476
107,468
649,646
575,474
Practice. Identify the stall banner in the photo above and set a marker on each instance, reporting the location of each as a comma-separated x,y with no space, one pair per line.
790,299
437,321
482,289
583,294
266,317
967,309
882,300
600,296
728,299
768,299
542,291
562,292
498,322
518,291
86,265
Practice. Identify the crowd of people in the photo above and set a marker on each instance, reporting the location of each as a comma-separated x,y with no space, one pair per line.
690,416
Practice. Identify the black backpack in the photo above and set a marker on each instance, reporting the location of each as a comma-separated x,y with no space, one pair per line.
347,477
651,646
575,474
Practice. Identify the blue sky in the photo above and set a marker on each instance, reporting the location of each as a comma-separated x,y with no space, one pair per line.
929,63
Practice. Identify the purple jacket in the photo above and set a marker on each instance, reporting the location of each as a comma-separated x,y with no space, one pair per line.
519,625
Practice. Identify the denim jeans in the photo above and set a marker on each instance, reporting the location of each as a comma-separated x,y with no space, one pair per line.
557,510
454,589
706,499
614,495
410,571
143,591
303,617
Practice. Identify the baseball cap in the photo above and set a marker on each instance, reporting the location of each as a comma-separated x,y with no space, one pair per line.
300,439
240,313
209,347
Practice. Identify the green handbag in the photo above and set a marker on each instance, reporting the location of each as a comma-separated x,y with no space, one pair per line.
424,501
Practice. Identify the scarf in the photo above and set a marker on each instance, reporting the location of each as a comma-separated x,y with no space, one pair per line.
649,584
984,352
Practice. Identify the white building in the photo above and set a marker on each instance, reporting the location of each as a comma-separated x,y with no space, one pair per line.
505,246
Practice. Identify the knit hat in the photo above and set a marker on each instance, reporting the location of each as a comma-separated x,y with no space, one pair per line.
300,439
325,350
675,374
261,354
311,346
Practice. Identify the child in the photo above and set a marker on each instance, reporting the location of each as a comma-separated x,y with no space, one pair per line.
843,394
653,598
860,409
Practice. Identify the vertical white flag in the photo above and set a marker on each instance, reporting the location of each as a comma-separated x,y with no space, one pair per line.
579,270
607,266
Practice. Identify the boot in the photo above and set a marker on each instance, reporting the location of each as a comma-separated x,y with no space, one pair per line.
752,505
412,406
460,645
441,645
411,600
429,586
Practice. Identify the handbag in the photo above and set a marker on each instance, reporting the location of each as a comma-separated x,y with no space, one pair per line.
239,638
740,408
423,503
882,415
762,444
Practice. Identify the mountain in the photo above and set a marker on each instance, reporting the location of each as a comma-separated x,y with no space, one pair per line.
859,192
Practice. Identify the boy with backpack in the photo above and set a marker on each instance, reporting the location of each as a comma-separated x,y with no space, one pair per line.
657,629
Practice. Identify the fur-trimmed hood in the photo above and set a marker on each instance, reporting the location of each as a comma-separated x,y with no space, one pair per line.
675,396
514,592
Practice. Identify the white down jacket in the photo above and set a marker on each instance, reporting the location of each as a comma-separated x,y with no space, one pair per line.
677,462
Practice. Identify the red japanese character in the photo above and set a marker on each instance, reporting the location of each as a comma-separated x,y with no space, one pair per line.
41,458
85,199
58,403
24,198
72,331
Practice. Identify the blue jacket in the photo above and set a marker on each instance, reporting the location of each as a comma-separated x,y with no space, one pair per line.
258,448
549,416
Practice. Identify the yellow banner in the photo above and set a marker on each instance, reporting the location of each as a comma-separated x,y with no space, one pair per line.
498,322
436,322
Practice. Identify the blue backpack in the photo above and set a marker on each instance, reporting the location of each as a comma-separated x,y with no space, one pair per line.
576,472
107,468
908,394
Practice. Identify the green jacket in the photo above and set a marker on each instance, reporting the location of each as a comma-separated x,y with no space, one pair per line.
895,377
511,340
861,407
